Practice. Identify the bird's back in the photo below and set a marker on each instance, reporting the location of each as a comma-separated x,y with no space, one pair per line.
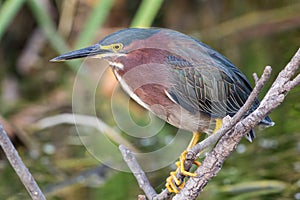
205,81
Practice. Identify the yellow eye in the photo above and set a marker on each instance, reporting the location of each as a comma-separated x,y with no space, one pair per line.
117,47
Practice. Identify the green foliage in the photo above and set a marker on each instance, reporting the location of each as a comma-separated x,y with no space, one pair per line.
7,11
121,186
146,13
94,22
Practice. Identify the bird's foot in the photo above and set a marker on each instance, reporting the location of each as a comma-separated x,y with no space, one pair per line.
180,164
173,184
175,181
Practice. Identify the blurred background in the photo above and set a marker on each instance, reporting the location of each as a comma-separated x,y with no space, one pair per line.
36,95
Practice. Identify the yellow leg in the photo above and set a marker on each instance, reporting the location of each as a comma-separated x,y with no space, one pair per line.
194,140
173,184
219,123
182,158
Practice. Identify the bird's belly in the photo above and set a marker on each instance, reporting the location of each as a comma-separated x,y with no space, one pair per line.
158,103
183,119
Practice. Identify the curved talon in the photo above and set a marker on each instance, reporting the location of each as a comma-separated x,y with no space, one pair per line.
197,163
176,180
171,185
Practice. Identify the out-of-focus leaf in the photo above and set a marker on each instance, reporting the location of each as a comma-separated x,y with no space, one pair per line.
94,22
46,24
146,13
7,11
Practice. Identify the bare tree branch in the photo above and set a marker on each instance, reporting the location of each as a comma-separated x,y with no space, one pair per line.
137,172
165,194
141,177
22,171
293,83
141,197
255,76
84,120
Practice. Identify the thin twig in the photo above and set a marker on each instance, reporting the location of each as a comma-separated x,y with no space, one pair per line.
293,83
83,120
255,92
165,194
255,77
137,172
141,177
22,171
141,197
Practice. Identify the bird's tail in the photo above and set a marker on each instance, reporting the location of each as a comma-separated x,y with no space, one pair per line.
250,136
266,122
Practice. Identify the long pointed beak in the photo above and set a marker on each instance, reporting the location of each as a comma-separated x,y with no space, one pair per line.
81,53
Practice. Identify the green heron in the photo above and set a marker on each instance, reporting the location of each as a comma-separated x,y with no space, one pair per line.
176,77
